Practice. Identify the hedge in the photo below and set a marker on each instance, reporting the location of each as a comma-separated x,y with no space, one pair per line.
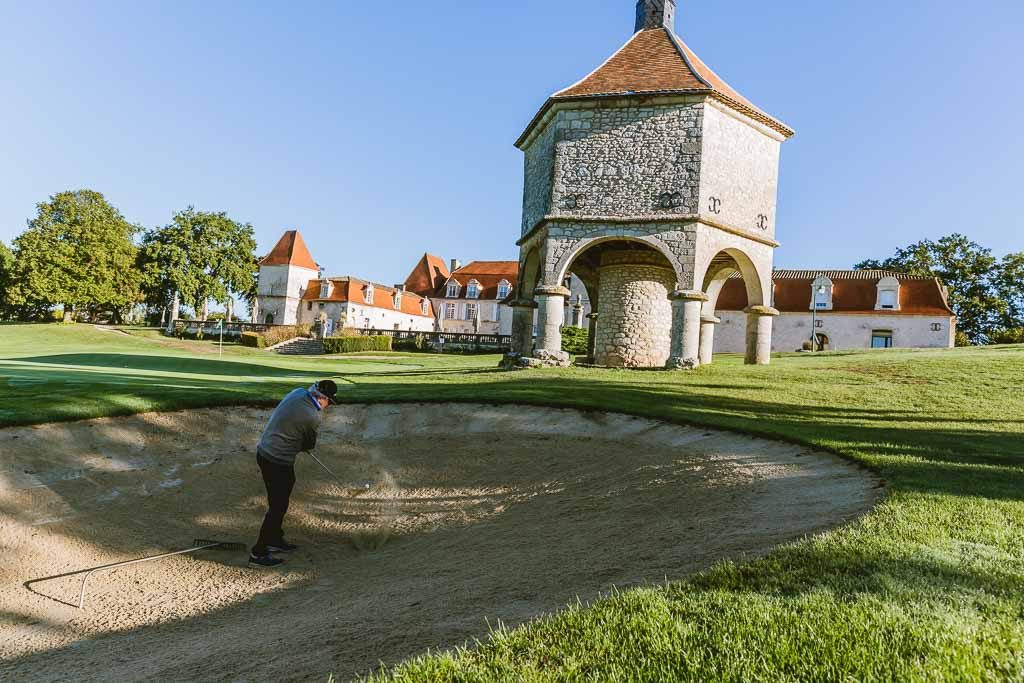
356,344
282,333
254,340
575,340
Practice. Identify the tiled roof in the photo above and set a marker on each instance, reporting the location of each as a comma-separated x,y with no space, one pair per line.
488,274
429,274
290,250
656,62
354,290
854,291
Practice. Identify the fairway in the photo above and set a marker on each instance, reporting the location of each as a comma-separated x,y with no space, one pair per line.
928,585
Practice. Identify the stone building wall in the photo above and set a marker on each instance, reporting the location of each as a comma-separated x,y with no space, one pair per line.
845,331
739,171
539,167
634,315
279,291
348,314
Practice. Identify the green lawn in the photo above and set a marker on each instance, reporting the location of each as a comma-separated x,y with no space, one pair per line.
929,586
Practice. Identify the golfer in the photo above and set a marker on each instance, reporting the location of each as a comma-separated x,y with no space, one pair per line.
293,427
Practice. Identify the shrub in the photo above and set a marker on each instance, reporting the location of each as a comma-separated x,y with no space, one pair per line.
282,333
254,340
962,339
417,343
575,340
1012,335
356,344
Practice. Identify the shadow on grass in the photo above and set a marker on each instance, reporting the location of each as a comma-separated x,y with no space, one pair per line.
175,364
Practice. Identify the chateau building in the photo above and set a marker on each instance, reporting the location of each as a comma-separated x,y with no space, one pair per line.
283,278
846,309
653,181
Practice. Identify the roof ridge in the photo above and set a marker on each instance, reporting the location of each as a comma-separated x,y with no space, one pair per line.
600,66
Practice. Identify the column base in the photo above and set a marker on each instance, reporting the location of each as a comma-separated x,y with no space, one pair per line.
540,359
679,363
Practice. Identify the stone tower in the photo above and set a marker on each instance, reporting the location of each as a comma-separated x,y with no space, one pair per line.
284,274
653,181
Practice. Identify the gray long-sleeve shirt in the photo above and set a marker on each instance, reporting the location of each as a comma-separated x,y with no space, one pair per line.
293,427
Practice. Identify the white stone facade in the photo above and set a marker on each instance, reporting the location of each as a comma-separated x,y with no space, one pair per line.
281,288
844,331
349,314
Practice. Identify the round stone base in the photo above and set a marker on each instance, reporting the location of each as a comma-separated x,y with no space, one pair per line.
634,316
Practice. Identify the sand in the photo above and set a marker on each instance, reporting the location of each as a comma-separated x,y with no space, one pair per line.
474,515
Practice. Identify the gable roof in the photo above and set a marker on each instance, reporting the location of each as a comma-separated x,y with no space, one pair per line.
353,289
290,250
488,274
428,274
656,62
853,291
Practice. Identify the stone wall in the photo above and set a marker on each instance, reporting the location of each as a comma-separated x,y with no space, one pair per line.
634,315
538,166
845,331
739,171
348,314
280,288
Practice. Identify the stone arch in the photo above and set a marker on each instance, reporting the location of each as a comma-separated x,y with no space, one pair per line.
529,275
564,263
721,267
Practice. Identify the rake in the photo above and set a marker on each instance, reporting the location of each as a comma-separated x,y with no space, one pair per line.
198,544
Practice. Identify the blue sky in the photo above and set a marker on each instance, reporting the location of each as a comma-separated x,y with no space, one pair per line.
385,129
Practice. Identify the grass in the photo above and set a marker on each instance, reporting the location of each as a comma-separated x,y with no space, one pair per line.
929,586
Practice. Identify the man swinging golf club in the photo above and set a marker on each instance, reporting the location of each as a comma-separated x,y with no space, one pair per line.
293,427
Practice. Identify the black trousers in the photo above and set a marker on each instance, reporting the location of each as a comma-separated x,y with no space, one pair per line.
279,480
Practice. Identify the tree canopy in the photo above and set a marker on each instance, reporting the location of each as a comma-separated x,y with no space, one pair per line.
78,251
201,256
6,281
985,293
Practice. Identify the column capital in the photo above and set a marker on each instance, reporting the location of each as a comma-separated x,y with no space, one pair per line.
523,303
710,320
552,290
761,310
688,295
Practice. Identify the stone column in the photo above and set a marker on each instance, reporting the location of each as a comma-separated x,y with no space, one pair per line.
592,337
759,334
175,311
685,345
707,338
522,326
551,311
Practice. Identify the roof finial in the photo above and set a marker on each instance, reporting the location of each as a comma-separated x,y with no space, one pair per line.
655,14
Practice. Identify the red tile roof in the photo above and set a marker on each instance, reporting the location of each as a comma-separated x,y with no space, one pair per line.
854,291
350,289
429,274
290,250
488,274
657,62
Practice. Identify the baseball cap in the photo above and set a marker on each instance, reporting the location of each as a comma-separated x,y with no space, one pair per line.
329,389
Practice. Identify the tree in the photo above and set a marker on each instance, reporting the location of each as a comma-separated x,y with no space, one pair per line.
199,256
6,281
965,268
77,252
1009,285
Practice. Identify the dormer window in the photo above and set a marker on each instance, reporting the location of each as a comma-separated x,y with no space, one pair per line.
888,294
504,289
325,289
425,307
397,300
453,290
473,290
368,294
821,294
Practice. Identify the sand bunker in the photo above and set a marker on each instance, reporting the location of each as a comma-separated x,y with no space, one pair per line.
474,515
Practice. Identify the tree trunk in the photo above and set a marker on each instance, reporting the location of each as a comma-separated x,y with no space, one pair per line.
231,310
163,317
175,311
206,310
69,313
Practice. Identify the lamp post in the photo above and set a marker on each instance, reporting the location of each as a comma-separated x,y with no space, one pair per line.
814,317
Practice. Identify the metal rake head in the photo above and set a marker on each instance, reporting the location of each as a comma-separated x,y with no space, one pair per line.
218,545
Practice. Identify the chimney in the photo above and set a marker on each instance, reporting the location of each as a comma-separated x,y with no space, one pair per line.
401,287
455,265
655,14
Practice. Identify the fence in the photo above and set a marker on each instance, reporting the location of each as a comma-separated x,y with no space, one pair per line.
211,328
454,340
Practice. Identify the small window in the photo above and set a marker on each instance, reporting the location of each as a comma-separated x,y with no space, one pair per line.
453,290
471,310
398,300
368,294
888,294
425,307
325,290
881,339
449,311
473,290
887,299
504,289
309,306
321,304
821,293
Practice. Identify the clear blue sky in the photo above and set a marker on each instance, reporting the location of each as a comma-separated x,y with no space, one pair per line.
385,129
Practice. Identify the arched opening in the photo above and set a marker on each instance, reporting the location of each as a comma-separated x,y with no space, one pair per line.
821,341
629,282
270,319
732,284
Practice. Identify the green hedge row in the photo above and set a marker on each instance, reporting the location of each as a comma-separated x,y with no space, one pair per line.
254,340
355,344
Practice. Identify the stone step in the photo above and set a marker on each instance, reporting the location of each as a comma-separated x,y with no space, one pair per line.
302,347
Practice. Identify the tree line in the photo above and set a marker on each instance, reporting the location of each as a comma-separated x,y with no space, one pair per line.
985,292
80,254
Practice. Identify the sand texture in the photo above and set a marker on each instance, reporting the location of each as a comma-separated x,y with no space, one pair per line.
474,515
